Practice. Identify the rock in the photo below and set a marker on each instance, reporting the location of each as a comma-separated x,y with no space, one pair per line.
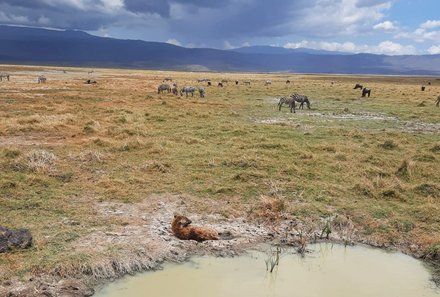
14,239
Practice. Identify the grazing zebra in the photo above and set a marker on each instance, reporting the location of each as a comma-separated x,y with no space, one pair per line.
290,101
202,92
174,90
301,99
42,79
168,79
365,92
163,87
220,84
4,75
358,86
247,82
187,90
437,103
268,82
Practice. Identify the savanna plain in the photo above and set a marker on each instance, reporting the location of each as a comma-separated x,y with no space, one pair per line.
80,163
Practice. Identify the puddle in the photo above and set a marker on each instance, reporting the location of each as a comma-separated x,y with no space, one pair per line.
328,270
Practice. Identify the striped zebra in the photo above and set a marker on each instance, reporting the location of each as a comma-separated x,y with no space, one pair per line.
268,82
202,92
290,101
301,99
247,82
187,90
163,87
4,75
42,79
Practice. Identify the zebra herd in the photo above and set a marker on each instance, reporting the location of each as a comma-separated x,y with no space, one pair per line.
187,90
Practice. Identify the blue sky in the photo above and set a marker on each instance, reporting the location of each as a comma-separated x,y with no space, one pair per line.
373,26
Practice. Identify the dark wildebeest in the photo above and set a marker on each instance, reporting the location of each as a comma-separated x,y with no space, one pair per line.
202,92
287,81
163,87
358,86
186,90
301,99
168,79
289,101
4,75
365,92
236,82
42,79
429,83
437,102
220,84
422,88
209,84
247,82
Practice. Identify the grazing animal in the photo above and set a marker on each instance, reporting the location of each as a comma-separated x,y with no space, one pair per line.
163,87
358,86
301,99
174,90
220,84
247,82
4,75
187,90
90,72
429,83
365,92
423,88
287,81
89,81
224,81
437,102
236,82
168,79
42,79
202,92
181,229
209,84
268,82
290,101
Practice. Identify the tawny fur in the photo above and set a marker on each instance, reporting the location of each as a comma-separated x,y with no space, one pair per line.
182,230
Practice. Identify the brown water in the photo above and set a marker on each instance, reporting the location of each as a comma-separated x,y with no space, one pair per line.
328,271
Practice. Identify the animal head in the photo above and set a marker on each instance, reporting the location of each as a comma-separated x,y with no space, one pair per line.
181,221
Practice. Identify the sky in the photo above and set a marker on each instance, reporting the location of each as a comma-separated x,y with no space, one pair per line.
391,27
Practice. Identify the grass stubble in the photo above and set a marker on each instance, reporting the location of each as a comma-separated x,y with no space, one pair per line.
66,146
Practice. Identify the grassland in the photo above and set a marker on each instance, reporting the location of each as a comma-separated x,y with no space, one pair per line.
66,147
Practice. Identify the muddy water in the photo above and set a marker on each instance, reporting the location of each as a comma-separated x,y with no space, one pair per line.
328,271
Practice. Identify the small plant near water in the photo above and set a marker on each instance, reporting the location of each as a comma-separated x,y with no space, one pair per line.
273,257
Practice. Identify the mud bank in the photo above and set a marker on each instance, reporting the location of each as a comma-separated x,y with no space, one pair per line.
145,241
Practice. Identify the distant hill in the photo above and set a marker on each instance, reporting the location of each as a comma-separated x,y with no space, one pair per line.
21,45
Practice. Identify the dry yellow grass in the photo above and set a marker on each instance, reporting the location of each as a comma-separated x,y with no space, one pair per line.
66,146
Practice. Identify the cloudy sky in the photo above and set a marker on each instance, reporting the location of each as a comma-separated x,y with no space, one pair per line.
374,26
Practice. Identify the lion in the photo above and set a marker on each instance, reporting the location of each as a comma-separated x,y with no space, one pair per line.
182,230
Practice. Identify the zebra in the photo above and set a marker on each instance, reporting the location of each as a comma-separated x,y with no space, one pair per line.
202,92
268,82
4,75
358,86
163,87
247,82
301,99
168,79
42,79
365,92
289,101
437,103
186,90
174,90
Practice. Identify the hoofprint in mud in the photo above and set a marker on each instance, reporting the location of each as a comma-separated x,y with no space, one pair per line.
145,241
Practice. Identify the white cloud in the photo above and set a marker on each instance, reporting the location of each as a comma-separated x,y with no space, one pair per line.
174,41
385,47
434,50
42,20
386,26
430,24
227,45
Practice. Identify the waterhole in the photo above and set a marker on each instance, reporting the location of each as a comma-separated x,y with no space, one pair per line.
327,270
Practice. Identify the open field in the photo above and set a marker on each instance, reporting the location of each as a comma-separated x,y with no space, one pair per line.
69,151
